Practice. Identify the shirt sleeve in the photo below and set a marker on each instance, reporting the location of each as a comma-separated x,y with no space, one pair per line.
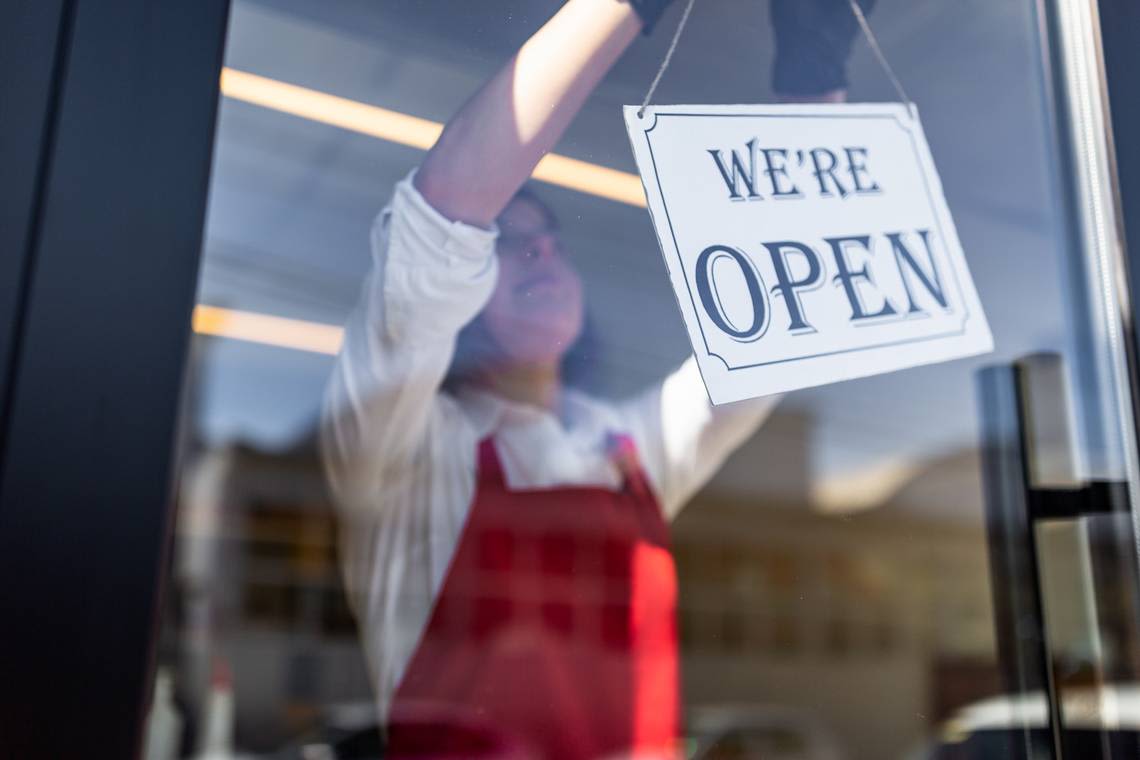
390,437
683,439
429,277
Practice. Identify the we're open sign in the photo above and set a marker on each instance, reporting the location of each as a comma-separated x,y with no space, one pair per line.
806,244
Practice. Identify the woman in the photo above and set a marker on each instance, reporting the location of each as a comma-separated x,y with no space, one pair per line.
504,535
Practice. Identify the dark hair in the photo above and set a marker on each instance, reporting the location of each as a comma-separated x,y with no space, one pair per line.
528,193
474,347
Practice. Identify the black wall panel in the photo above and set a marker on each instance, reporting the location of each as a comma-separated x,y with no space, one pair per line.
87,462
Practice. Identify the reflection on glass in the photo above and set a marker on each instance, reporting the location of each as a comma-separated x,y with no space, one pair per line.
834,592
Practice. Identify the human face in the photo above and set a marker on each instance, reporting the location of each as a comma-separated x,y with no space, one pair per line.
535,313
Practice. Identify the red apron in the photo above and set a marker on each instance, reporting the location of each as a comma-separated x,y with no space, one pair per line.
554,633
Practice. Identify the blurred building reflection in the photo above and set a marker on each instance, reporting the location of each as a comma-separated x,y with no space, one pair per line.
782,605
834,576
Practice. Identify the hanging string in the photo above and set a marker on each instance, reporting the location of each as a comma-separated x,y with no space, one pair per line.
668,57
878,51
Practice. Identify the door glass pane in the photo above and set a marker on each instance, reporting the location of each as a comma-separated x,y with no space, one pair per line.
353,563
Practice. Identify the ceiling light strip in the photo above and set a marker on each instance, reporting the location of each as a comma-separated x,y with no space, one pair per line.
415,132
268,330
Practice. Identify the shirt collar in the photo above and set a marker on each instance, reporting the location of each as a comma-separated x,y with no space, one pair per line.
488,411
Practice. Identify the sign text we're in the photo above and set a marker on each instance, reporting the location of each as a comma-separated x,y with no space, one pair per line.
835,172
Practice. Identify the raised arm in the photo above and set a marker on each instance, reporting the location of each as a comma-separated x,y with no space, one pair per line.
491,146
433,258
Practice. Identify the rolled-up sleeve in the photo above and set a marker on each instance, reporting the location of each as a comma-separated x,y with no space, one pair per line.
429,277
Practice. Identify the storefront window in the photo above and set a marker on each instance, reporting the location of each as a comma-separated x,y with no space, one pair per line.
342,559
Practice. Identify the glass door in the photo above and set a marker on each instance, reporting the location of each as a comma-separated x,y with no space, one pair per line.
932,563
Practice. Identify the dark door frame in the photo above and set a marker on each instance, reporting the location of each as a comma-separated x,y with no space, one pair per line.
1120,44
1120,52
105,148
112,137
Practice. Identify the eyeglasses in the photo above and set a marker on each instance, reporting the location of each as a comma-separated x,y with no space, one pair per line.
531,246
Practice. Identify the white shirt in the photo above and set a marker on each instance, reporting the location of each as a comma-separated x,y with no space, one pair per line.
400,453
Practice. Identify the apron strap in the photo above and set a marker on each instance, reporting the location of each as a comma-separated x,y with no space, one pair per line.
623,452
490,469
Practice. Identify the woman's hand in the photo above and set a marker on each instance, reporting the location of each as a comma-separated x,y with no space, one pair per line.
813,43
650,12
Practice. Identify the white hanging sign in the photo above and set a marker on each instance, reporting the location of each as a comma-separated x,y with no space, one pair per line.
806,244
